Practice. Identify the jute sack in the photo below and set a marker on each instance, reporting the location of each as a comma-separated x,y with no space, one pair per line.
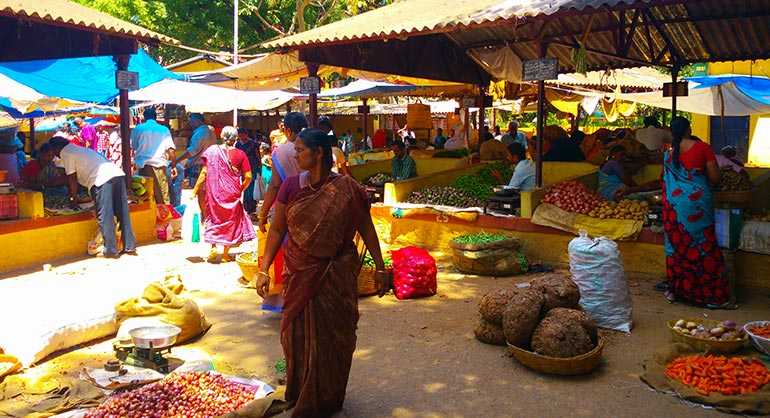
162,301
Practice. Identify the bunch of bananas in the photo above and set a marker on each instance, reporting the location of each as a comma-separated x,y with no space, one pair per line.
625,209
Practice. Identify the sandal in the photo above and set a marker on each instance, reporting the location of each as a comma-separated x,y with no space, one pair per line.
729,306
226,258
670,297
213,254
662,286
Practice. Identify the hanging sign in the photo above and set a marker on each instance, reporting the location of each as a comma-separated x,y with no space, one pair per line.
469,102
681,88
309,85
127,80
541,69
363,109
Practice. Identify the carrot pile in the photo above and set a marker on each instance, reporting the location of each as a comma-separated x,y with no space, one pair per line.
761,331
728,376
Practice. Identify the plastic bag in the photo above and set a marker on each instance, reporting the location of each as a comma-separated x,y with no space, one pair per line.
597,270
191,222
414,273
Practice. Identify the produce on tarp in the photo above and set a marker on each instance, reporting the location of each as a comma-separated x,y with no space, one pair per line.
489,333
573,196
493,304
561,336
179,395
559,291
521,316
625,209
444,196
719,374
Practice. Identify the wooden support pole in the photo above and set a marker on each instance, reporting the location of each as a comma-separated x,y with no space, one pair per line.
365,119
482,114
540,123
32,144
125,121
674,76
312,71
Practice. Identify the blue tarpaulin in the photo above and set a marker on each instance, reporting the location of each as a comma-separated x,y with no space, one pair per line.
757,88
89,79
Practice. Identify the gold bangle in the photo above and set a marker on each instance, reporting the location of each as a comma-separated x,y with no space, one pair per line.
264,274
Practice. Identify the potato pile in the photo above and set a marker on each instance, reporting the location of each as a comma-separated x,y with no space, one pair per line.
625,209
544,317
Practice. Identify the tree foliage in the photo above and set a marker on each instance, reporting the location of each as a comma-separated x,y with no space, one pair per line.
208,24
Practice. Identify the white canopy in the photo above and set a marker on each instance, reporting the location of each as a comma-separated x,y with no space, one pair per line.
705,101
197,97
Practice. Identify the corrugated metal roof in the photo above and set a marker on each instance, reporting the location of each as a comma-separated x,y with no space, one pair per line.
412,17
698,31
68,13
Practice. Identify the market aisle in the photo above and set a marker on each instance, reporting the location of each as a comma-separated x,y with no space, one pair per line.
414,358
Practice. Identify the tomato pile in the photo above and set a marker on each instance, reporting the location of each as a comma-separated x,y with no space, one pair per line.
573,196
196,394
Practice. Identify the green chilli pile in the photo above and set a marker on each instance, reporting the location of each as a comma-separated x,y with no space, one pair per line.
474,186
444,196
479,238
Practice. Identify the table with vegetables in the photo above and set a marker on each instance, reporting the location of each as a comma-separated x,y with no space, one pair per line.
467,191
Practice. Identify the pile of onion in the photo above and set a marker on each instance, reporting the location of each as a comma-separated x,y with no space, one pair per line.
573,196
195,394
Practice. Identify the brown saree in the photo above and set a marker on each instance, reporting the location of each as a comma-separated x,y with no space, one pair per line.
318,330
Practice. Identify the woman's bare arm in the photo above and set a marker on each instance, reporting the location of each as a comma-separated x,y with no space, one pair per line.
274,239
712,172
269,198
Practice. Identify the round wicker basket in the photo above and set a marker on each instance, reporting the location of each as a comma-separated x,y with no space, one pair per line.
367,285
582,364
705,345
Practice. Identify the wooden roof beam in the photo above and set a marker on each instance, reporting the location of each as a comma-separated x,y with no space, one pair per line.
675,54
606,54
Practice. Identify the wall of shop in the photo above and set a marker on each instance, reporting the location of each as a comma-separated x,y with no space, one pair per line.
759,125
30,243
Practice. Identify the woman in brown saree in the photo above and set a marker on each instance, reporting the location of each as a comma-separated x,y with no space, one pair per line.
322,212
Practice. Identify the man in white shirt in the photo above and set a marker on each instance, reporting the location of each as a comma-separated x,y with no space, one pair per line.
652,136
153,150
202,138
107,184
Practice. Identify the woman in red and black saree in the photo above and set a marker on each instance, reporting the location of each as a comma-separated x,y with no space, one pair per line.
321,212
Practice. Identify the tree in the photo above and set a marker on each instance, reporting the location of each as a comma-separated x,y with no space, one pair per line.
208,24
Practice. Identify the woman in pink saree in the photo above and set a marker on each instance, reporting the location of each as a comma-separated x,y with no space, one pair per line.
225,174
320,212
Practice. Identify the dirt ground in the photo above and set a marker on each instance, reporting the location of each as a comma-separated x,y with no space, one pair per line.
414,358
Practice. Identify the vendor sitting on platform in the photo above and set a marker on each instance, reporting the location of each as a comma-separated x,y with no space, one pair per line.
493,150
43,175
523,178
613,178
727,157
404,166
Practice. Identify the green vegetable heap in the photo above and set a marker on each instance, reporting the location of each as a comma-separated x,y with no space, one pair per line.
460,153
479,238
480,184
444,196
369,261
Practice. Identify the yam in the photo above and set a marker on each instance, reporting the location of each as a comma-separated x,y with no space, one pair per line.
489,333
561,337
559,291
521,315
492,305
577,315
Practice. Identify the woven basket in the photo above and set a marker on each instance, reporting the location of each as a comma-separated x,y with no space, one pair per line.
582,364
367,285
708,346
249,267
741,198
